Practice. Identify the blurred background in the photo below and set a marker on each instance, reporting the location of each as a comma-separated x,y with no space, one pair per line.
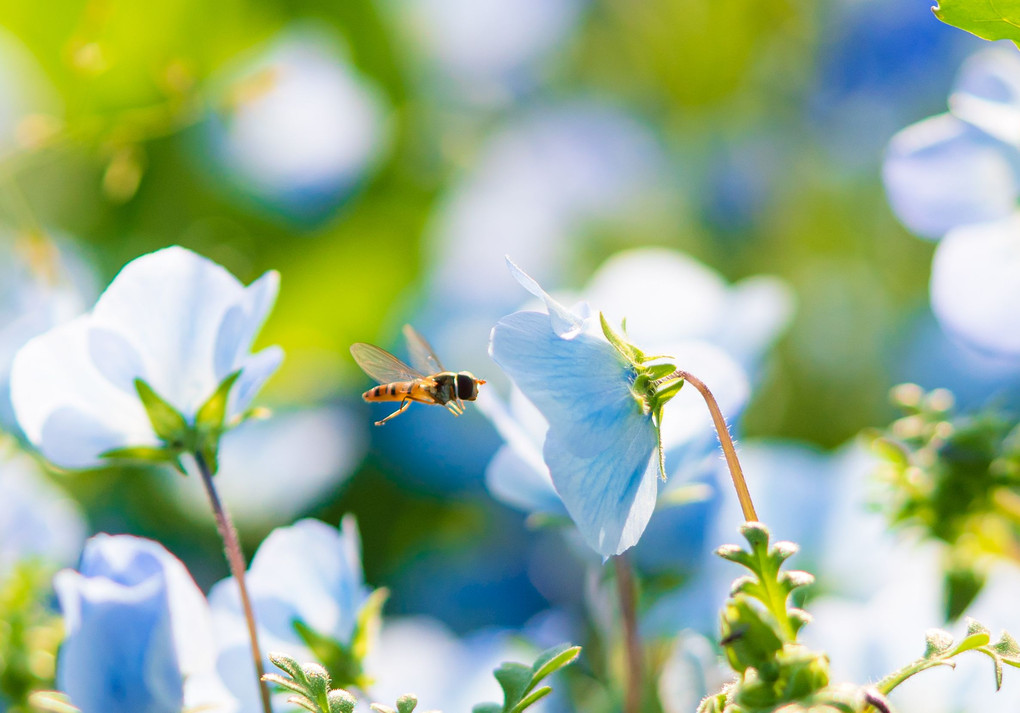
384,155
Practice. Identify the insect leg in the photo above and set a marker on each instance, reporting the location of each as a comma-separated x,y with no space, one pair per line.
452,408
403,407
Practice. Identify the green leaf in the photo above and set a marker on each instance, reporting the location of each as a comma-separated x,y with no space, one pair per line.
284,682
341,701
531,698
988,19
53,701
407,703
552,660
145,454
166,421
305,703
487,708
514,679
211,414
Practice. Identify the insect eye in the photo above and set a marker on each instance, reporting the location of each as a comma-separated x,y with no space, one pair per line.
466,388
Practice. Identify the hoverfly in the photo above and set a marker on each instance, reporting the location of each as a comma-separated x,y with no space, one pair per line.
428,382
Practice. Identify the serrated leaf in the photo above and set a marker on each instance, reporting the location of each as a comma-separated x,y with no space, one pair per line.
976,627
211,414
1007,647
513,679
305,703
287,683
988,19
531,698
286,663
756,533
166,421
552,660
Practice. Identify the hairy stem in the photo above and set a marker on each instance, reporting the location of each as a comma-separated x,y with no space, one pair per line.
235,559
746,506
628,609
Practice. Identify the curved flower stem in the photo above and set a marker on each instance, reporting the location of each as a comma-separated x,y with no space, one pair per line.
235,558
725,440
628,608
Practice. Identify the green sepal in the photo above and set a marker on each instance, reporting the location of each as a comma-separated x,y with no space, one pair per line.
211,414
145,454
998,20
167,422
627,350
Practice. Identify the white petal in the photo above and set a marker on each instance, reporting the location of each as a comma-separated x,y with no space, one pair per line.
66,407
987,93
975,285
169,305
255,371
242,322
941,173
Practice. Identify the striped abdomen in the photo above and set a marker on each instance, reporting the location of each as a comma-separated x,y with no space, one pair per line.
399,391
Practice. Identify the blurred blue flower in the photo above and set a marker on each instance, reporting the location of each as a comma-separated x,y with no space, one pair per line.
37,520
324,445
486,52
309,572
42,284
956,176
139,636
299,127
172,318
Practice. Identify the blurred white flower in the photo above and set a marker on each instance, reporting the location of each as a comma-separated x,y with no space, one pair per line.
485,51
273,470
37,520
42,284
421,656
301,127
173,319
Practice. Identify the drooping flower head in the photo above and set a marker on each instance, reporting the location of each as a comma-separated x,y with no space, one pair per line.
603,400
139,636
157,368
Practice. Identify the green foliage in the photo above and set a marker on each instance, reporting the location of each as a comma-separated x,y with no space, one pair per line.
988,19
520,682
956,479
310,685
345,662
30,632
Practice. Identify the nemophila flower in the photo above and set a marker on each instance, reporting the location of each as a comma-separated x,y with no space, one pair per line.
310,602
299,127
604,408
324,444
956,176
157,367
42,284
139,636
37,520
649,287
486,51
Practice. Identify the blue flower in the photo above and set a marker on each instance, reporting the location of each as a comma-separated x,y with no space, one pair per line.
601,436
956,177
139,635
172,319
307,574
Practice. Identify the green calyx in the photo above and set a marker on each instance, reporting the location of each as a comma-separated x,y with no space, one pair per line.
200,437
655,381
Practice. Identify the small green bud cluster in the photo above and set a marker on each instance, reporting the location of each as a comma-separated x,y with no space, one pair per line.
956,478
310,685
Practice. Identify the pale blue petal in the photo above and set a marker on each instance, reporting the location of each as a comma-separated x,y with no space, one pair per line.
516,481
170,305
975,285
66,407
565,323
255,371
987,93
942,173
599,446
243,321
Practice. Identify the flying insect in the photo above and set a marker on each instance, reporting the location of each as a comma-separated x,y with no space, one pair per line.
427,382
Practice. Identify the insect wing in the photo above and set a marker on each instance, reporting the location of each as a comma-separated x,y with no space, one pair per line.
381,365
422,355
